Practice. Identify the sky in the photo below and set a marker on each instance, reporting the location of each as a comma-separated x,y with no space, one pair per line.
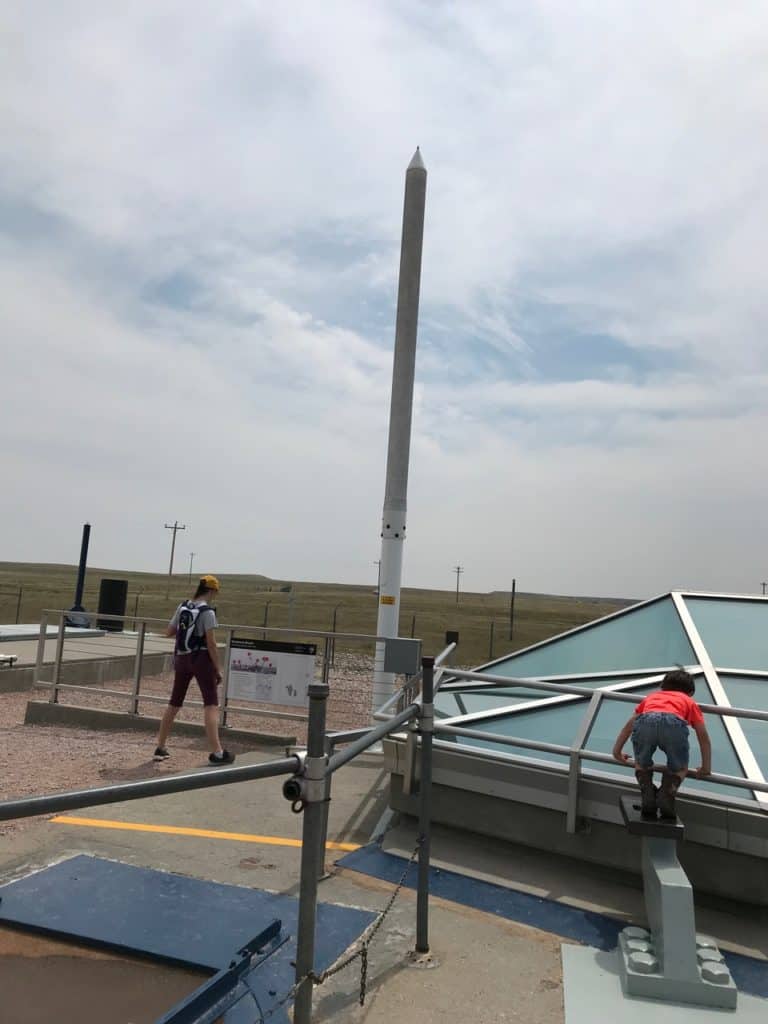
200,216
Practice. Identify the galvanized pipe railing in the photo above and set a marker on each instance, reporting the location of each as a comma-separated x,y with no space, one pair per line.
54,803
585,754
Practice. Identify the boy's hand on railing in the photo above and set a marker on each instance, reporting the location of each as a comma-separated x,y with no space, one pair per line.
701,772
621,757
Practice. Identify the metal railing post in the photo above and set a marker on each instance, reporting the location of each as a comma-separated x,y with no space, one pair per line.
330,746
54,698
41,646
311,854
574,768
426,722
224,709
137,668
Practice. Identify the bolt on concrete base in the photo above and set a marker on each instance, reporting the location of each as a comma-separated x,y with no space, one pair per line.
641,973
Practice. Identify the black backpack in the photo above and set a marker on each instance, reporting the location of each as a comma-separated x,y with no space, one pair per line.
187,641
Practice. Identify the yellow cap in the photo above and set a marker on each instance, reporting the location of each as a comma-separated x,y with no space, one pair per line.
209,582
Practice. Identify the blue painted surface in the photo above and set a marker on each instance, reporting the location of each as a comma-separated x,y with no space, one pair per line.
181,920
585,926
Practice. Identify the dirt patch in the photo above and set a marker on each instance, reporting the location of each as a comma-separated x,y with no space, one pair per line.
36,759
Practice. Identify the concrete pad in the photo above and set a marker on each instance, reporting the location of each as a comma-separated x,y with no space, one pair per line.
31,631
736,927
592,991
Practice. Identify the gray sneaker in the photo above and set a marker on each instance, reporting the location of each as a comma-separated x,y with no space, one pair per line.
161,754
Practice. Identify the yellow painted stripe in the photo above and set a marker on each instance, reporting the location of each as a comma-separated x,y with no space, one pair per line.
204,833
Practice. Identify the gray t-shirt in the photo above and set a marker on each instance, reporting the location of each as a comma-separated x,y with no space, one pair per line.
205,620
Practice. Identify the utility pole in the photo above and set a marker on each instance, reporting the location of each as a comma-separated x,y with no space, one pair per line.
764,585
175,529
377,562
458,570
191,556
512,609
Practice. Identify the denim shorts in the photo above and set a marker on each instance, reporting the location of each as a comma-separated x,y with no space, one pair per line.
663,730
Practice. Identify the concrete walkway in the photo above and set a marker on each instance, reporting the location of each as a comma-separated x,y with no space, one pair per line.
489,970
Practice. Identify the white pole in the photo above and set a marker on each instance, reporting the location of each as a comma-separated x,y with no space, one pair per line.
403,369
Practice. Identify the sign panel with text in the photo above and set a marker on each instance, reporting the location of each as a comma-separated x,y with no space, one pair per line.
270,672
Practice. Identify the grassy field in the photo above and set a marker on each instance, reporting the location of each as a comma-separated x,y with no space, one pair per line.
481,619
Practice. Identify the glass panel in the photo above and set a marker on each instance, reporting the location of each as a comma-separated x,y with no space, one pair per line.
613,715
559,724
750,692
649,637
734,632
501,697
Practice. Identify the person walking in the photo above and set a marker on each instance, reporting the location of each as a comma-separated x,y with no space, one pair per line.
195,657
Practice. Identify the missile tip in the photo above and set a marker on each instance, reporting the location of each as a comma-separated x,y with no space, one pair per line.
416,162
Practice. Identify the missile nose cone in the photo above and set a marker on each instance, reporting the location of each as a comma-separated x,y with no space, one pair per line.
417,164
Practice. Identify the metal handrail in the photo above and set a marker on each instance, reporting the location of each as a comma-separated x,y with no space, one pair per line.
28,807
382,715
584,753
295,631
371,737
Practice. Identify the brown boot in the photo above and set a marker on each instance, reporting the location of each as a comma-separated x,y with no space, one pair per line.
644,778
669,786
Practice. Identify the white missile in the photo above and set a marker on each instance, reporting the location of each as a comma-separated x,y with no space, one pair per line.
396,489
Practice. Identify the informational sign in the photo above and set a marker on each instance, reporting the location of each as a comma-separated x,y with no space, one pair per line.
270,672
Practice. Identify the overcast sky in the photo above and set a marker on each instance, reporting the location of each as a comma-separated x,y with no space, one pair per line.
200,213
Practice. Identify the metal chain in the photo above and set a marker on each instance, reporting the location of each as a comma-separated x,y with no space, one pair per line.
361,952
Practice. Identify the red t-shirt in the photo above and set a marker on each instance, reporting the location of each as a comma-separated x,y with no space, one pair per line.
672,702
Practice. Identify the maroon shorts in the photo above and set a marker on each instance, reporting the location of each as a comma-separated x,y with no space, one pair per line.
199,666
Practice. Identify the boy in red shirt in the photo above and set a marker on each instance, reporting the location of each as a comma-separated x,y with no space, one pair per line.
661,720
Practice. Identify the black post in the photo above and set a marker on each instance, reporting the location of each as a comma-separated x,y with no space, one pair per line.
18,605
78,605
426,721
312,856
333,639
413,626
490,642
512,609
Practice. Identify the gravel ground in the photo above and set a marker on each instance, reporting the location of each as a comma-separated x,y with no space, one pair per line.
36,759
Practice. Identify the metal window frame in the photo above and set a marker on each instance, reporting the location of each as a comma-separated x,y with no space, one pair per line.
744,754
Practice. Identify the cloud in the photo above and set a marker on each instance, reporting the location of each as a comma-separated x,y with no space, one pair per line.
200,226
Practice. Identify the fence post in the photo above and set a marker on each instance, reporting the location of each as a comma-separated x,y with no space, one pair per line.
223,710
326,661
311,854
137,667
490,642
41,646
57,661
18,605
426,722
